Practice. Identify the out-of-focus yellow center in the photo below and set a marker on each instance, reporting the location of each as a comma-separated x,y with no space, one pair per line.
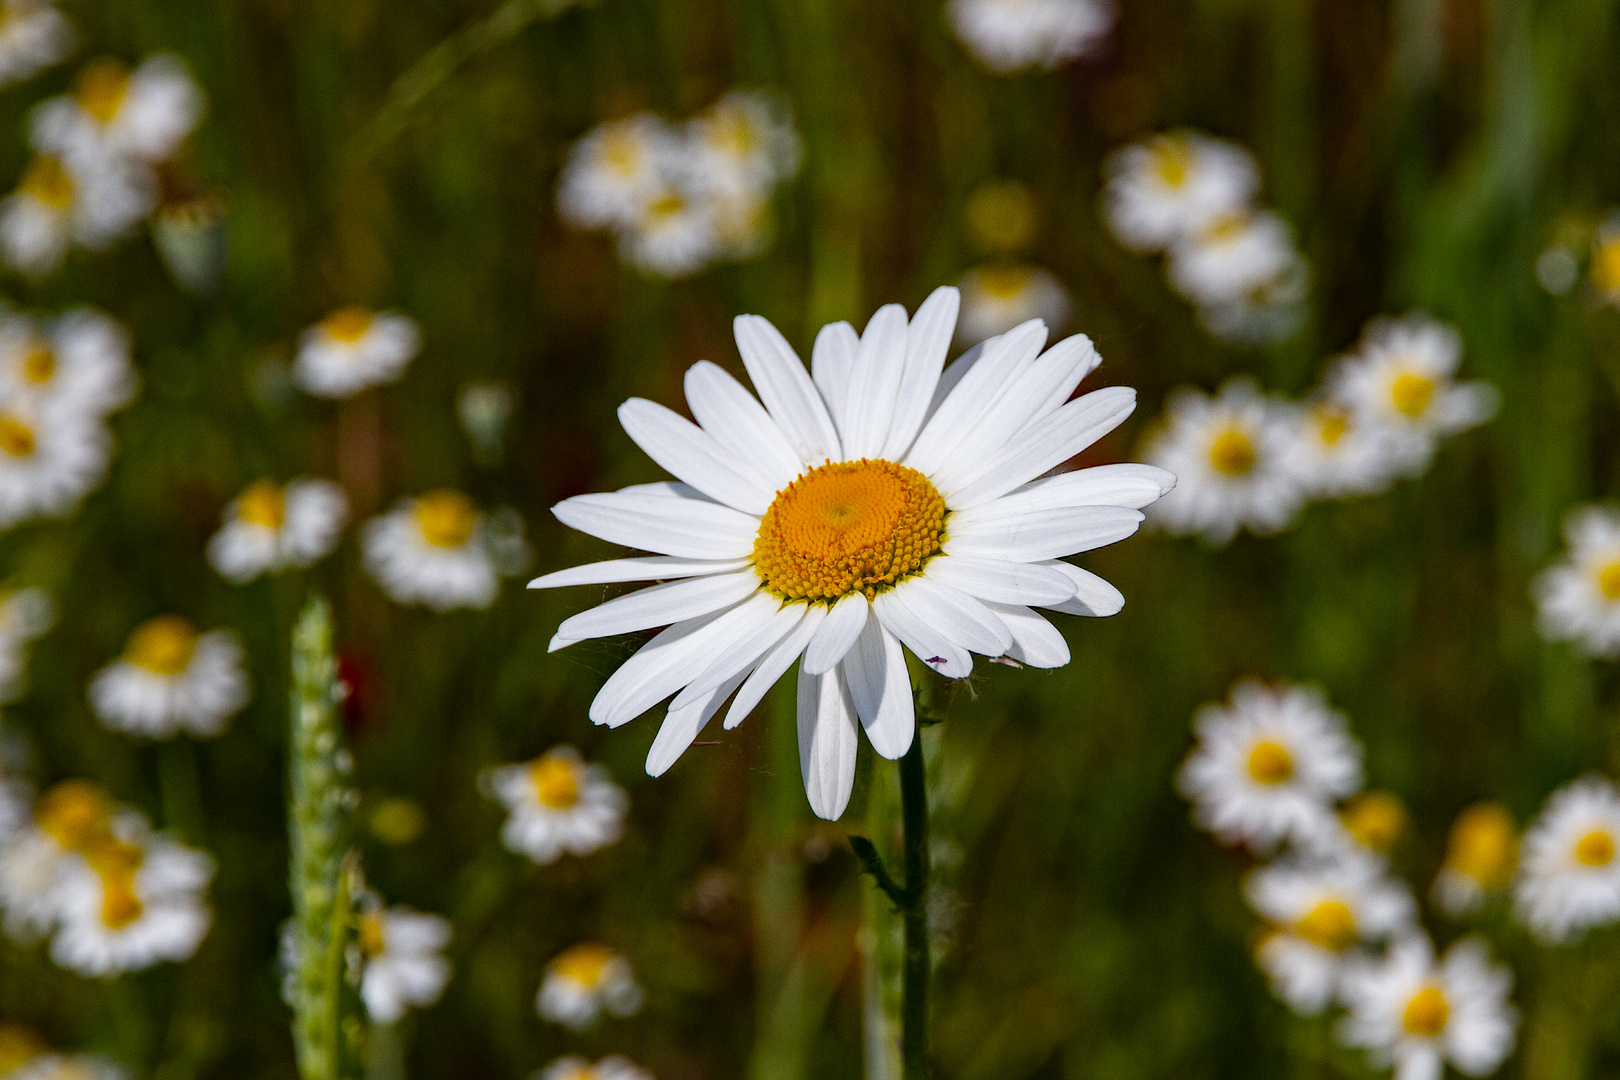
47,181
1231,453
1270,763
264,503
162,645
1001,216
1608,581
665,206
1172,158
622,153
373,937
1483,844
1330,924
555,777
1225,229
74,813
1004,282
348,325
731,132
39,363
1375,819
447,518
850,526
102,89
1606,266
584,964
16,436
1332,423
1595,849
1426,1013
117,863
18,1045
1411,394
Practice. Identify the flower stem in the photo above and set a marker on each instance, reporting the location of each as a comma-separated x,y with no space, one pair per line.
914,979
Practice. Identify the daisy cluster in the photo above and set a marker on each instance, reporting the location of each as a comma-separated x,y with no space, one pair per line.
682,197
1269,769
25,1055
1192,197
1246,459
1008,36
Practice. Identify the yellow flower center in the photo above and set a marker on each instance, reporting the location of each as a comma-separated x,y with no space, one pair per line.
1595,849
18,1046
47,181
116,863
731,133
1426,1013
665,206
556,780
850,526
39,363
1332,423
1411,394
74,813
102,89
1270,763
584,964
1004,282
1001,217
1375,819
16,436
373,940
1608,581
1225,229
446,518
1606,266
263,504
162,645
1330,924
347,325
1483,844
621,152
1231,453
1172,160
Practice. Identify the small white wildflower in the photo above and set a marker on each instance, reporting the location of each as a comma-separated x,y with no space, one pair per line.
33,36
403,963
1174,185
354,349
558,803
172,679
271,527
1569,875
585,981
431,550
1578,597
1012,35
997,297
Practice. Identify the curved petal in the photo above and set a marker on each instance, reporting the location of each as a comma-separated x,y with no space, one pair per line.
960,617
671,519
953,374
657,605
774,664
827,742
880,687
930,645
645,568
874,383
928,340
1036,642
682,724
657,670
743,644
785,388
831,359
1033,584
1045,534
836,635
1046,444
691,454
1001,361
1129,485
738,422
1093,597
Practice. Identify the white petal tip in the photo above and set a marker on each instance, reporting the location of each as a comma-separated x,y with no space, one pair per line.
559,642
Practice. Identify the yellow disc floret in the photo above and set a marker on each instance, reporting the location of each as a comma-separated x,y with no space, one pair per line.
263,504
555,777
1411,394
1426,1013
16,437
75,813
1608,581
1375,819
347,325
1330,924
1172,157
1231,453
584,964
162,645
1270,763
850,526
1332,424
39,363
447,518
102,89
1484,845
47,181
1595,849
373,936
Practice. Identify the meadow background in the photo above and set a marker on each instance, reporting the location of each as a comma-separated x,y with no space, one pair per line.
1425,151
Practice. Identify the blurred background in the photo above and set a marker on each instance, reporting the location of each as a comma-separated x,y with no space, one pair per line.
1426,153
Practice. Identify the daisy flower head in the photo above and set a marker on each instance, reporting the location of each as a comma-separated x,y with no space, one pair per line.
1273,309
614,173
616,1067
271,527
744,144
431,549
1578,597
557,803
1174,185
1320,910
1403,381
139,116
72,818
584,982
1269,765
33,36
170,679
1605,264
25,615
1414,1013
1232,257
1008,36
997,297
79,362
51,457
1230,455
354,349
1333,454
59,204
1481,855
1569,876
680,231
402,958
871,505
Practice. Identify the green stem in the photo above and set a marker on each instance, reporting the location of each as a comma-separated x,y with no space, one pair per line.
914,980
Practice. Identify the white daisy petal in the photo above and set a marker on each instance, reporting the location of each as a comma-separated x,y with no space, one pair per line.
1045,534
836,635
927,640
657,605
831,361
768,622
978,388
1036,642
1133,486
962,618
691,454
657,670
1003,581
827,742
1046,444
773,665
928,340
645,568
880,687
954,374
682,724
671,519
874,383
1093,596
785,388
738,422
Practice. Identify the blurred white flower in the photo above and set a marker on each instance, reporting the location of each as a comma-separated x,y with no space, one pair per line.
676,235
1229,454
25,614
614,173
1557,269
271,527
1408,1011
1569,876
79,362
431,550
557,803
999,296
1320,910
1232,257
401,952
1333,455
1271,311
57,205
70,1067
172,679
572,1067
1012,35
1578,597
1269,765
744,144
354,349
115,114
584,982
1174,185
485,410
1481,854
33,37
51,456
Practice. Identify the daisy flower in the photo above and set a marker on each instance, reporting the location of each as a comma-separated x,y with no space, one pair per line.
1480,858
1578,597
271,527
1174,185
1320,910
1418,1015
585,981
432,550
80,362
1375,821
58,205
354,349
870,506
1012,35
616,172
51,457
1232,256
744,143
1333,455
402,955
998,297
1402,380
1230,457
117,114
1569,877
676,234
172,679
573,1067
557,803
70,819
25,615
1269,765
33,37
1273,310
